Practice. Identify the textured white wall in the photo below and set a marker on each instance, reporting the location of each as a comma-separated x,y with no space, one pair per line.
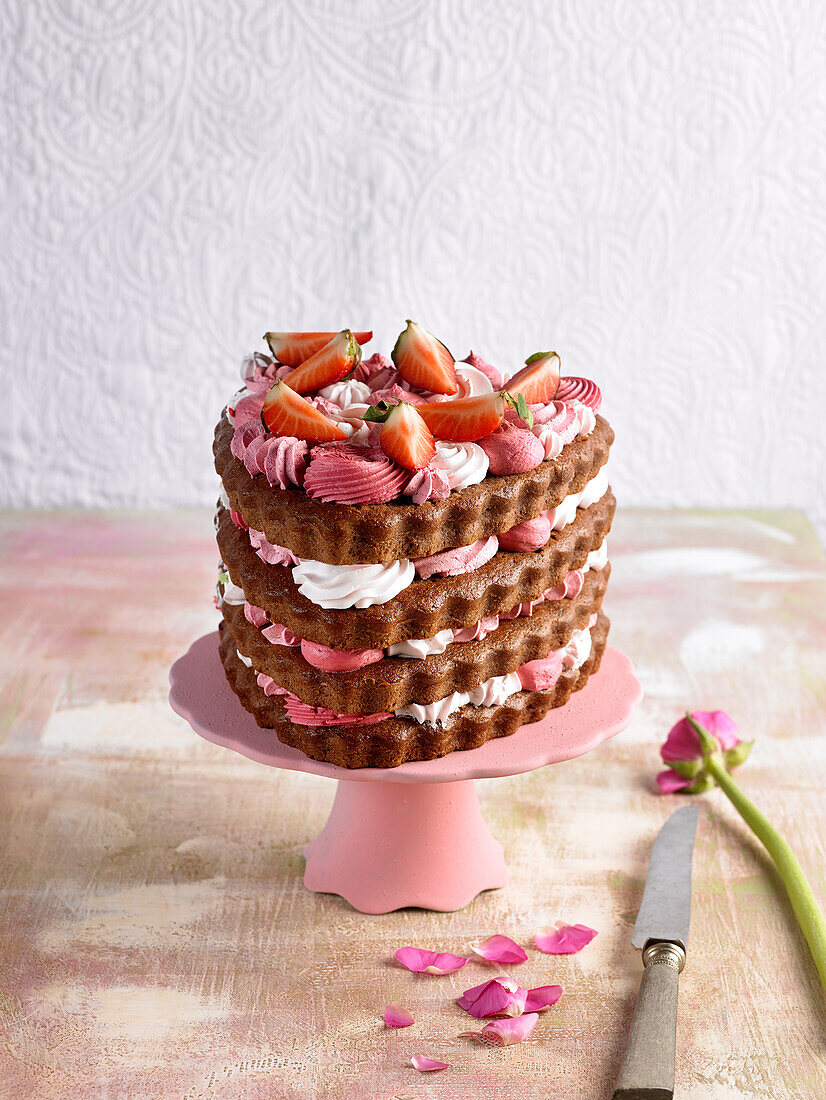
641,185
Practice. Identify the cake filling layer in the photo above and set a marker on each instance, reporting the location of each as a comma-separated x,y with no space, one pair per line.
346,660
537,675
425,607
366,585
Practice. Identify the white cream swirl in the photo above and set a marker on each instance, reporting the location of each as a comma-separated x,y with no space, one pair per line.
462,463
419,648
586,416
349,392
434,713
340,586
244,659
598,558
351,421
471,383
565,512
577,651
494,692
233,594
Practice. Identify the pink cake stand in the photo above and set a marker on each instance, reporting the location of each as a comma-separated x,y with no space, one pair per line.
412,835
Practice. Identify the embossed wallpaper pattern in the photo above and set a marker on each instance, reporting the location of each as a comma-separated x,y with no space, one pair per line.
640,184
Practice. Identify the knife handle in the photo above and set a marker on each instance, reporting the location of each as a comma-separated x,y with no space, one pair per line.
648,1070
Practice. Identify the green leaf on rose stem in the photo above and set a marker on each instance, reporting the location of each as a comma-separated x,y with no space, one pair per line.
708,744
223,578
688,769
704,782
379,412
738,755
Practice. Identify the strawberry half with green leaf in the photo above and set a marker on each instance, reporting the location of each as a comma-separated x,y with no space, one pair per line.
292,348
538,380
404,436
466,419
424,361
335,360
285,413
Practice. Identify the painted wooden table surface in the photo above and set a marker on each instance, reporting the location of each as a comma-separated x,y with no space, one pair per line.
157,940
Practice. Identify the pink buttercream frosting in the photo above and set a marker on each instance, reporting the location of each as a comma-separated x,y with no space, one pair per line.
248,409
429,483
261,371
368,369
513,417
338,660
269,685
285,460
305,715
457,560
343,660
349,473
529,535
512,450
395,393
238,520
480,630
541,674
270,552
282,459
489,371
580,389
255,615
329,408
243,435
278,634
569,589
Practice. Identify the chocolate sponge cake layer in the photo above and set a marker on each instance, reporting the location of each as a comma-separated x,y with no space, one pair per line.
395,741
426,606
349,533
395,681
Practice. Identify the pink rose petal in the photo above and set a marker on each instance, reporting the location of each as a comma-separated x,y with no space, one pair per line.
422,961
426,1065
500,949
396,1016
669,782
504,1033
542,997
566,939
683,743
499,997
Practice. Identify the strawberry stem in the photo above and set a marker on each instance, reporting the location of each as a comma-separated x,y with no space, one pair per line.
379,413
521,405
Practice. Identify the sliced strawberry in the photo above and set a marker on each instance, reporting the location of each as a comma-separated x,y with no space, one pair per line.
292,348
466,418
424,361
538,380
285,413
338,357
406,438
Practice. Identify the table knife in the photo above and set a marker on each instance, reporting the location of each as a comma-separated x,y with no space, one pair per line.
661,933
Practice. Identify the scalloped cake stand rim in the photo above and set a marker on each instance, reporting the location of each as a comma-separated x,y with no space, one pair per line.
201,694
412,835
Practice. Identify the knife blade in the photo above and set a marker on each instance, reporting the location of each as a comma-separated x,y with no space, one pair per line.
661,932
665,913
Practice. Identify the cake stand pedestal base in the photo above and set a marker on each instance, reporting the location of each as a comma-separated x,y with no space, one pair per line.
390,845
412,835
